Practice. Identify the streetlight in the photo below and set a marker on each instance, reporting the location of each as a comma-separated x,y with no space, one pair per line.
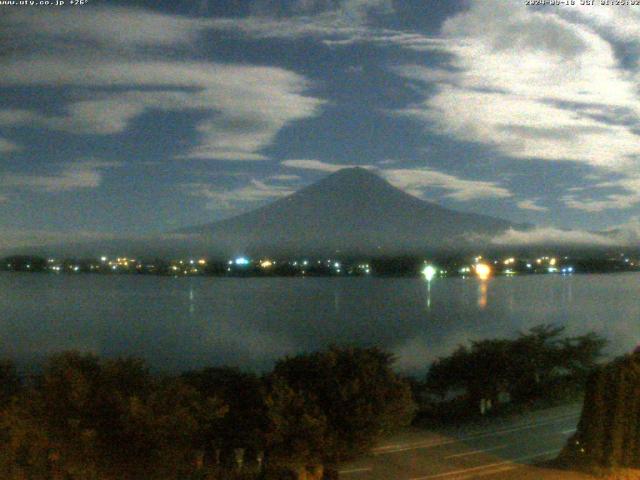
429,272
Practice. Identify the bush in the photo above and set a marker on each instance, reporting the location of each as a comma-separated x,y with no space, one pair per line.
88,418
537,364
353,391
244,424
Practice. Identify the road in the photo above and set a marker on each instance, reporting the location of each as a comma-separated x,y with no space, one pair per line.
492,449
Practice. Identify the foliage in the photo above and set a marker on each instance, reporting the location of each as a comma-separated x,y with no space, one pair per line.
526,367
356,391
608,433
9,381
87,416
242,393
91,418
298,429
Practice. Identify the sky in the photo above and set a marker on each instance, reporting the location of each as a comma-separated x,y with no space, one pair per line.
132,118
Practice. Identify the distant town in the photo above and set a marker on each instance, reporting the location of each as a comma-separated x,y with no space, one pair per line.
473,266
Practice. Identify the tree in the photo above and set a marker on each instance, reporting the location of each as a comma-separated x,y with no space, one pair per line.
528,367
113,416
356,390
244,424
9,382
297,429
608,433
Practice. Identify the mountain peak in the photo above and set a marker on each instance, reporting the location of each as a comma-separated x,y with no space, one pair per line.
353,178
360,173
363,171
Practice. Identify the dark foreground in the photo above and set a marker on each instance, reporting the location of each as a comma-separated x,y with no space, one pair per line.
511,448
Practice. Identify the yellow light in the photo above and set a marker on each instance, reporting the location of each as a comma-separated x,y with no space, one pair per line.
552,261
266,264
483,271
202,261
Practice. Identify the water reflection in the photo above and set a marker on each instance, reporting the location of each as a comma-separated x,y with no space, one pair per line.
482,294
188,323
192,305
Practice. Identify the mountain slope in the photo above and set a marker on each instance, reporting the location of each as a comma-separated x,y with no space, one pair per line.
350,211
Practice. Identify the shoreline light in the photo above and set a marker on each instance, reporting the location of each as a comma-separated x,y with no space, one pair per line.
429,272
483,271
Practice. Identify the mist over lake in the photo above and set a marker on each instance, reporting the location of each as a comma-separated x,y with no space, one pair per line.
185,323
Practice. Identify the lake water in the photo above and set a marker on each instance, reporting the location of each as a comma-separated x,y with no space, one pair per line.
182,323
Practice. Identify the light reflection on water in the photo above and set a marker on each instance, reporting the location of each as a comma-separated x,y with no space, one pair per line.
192,322
482,294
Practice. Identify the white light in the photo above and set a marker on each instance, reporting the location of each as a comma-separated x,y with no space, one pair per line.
242,261
103,259
429,272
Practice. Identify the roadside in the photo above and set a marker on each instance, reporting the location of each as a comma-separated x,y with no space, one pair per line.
508,447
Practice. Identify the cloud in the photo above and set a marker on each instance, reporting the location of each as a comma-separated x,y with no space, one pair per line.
417,180
7,146
285,178
627,233
531,205
530,84
230,199
622,24
318,165
624,235
342,18
241,107
17,238
72,176
339,23
628,195
551,236
247,106
102,26
331,29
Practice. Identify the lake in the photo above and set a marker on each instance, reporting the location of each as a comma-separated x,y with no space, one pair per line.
182,323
